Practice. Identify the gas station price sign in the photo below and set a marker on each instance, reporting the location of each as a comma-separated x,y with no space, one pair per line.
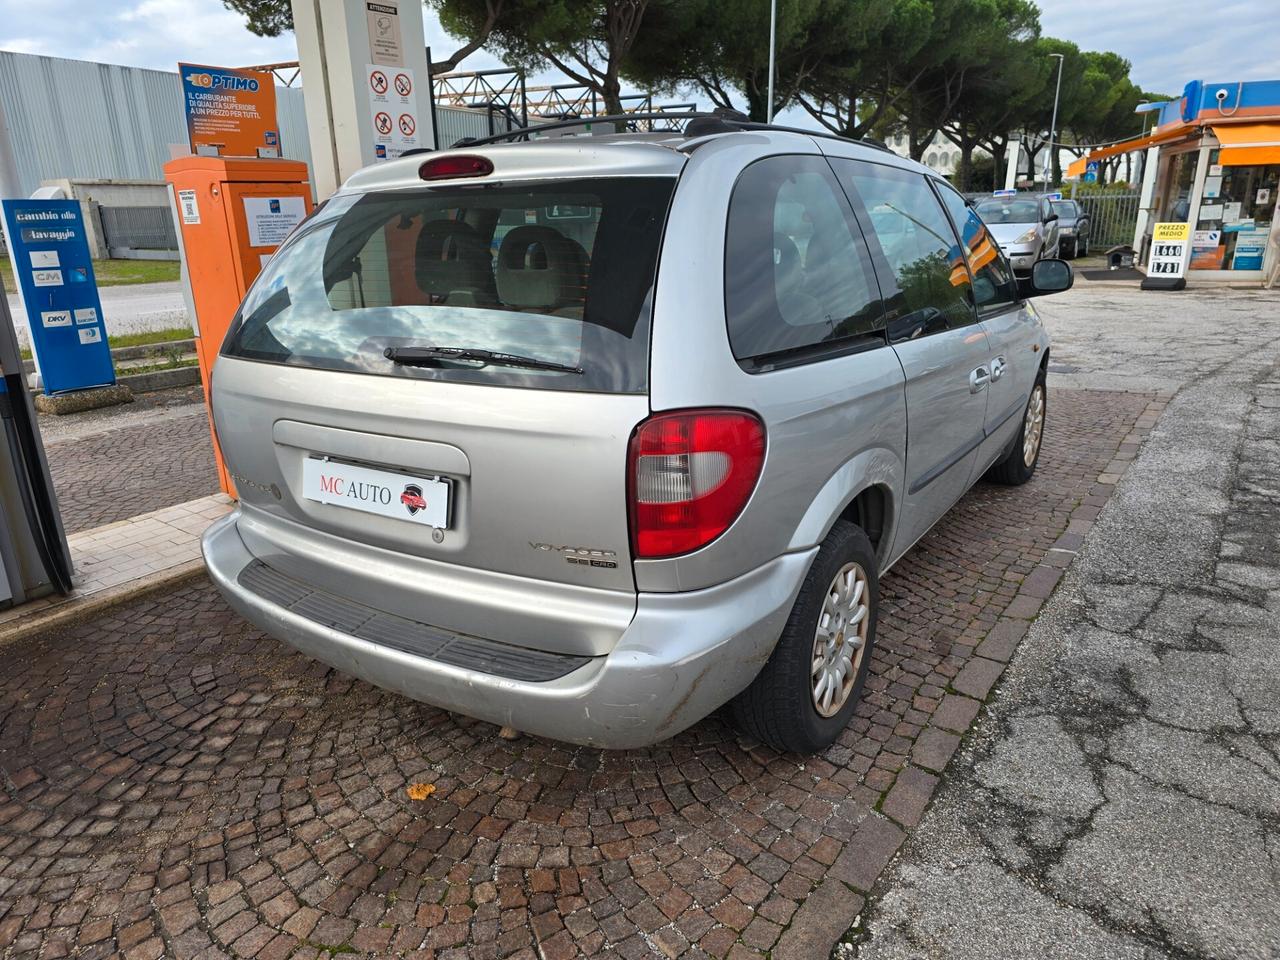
1168,250
59,294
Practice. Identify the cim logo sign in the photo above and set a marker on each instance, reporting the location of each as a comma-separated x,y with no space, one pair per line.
223,81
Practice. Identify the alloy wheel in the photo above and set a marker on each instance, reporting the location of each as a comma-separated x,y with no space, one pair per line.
1033,426
840,639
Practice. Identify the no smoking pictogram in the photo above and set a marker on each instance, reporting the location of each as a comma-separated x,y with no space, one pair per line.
378,80
407,125
404,86
383,122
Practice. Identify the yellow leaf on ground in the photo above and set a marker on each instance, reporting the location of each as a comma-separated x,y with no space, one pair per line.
420,791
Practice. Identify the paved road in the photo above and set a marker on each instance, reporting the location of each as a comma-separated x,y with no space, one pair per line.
133,462
174,783
1121,797
127,309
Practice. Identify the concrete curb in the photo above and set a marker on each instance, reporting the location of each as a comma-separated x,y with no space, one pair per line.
75,609
136,352
161,379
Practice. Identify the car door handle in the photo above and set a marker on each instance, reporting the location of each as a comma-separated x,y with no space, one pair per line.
978,379
998,366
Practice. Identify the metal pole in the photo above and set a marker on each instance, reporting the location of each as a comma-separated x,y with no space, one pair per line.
773,39
1053,124
431,94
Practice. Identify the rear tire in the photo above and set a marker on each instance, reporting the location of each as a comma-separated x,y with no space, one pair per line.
807,692
1019,464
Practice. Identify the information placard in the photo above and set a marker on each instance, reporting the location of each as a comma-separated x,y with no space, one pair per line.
230,112
59,294
1168,250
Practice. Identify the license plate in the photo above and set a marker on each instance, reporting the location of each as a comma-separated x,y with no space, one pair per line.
388,494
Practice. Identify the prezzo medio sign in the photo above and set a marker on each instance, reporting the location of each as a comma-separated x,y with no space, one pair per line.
1168,250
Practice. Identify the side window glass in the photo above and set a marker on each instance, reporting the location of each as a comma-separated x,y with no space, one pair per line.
933,290
993,282
797,273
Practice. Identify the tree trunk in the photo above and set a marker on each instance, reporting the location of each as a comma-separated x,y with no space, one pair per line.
1000,158
964,171
611,93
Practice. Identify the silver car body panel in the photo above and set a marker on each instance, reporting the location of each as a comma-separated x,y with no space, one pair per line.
538,471
681,656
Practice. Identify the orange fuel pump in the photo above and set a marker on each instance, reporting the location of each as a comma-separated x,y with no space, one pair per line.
232,213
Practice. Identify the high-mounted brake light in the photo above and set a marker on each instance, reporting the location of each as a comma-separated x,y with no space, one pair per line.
449,168
689,475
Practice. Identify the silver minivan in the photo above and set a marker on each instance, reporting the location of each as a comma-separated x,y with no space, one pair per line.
589,436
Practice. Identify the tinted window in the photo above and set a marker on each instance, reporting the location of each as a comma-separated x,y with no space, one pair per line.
919,246
1064,208
993,280
560,271
1009,210
797,274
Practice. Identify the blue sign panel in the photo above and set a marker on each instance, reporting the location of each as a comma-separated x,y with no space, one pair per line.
55,279
1091,172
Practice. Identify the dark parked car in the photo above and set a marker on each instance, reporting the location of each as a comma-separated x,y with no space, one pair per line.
1074,228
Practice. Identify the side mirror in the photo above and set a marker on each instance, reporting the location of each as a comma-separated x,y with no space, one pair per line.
1051,217
1047,276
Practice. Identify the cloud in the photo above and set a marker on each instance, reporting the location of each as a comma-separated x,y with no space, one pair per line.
1170,42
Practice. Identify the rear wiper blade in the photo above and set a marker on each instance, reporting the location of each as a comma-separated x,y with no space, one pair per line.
429,356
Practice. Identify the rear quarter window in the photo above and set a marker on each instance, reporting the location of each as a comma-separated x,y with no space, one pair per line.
799,283
557,271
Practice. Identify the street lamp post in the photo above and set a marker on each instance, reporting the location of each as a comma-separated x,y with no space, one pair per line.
1053,123
773,36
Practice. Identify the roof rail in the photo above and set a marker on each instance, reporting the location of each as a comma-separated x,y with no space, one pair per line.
697,124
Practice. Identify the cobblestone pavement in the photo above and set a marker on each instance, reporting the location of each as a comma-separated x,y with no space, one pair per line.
121,472
173,783
1121,795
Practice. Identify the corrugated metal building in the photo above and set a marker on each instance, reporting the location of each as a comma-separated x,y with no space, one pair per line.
75,119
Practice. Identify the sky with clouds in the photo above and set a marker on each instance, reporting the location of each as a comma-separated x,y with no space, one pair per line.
1168,41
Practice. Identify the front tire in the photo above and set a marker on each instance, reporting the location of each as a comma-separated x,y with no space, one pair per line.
1019,464
808,690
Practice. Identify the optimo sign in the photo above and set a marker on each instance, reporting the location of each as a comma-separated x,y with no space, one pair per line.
55,281
230,113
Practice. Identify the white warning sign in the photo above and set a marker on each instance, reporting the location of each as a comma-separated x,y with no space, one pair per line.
393,110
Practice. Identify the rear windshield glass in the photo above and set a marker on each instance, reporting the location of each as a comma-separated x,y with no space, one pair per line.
559,273
1009,211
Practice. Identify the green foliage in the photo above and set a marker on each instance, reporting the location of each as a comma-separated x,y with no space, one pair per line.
978,71
266,18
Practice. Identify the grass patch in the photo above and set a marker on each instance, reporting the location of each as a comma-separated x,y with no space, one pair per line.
168,335
112,273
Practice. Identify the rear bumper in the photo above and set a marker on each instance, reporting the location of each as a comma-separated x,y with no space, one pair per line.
682,656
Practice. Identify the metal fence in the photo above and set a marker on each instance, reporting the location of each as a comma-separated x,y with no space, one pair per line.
1112,218
137,228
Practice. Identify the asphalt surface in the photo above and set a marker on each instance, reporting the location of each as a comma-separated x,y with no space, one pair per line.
132,308
1120,796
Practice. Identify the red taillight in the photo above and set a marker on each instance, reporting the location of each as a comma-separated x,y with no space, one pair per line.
689,475
448,168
